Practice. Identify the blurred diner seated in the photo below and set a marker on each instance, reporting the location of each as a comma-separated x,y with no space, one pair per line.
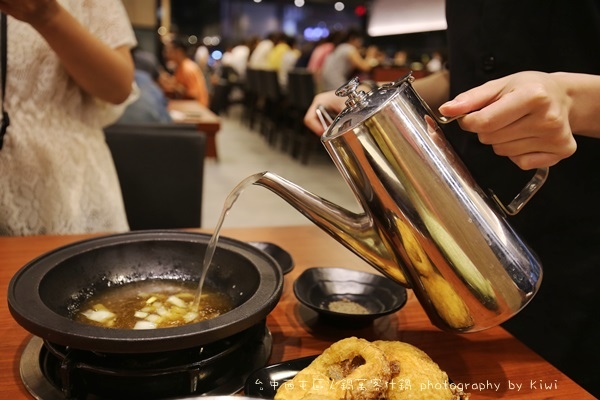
151,104
273,58
237,58
288,61
322,49
435,63
258,55
187,80
346,60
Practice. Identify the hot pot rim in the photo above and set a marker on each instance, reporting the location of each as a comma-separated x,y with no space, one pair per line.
31,312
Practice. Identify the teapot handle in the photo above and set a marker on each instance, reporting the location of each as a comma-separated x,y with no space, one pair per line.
517,203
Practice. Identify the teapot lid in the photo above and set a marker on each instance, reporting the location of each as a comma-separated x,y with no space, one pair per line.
360,106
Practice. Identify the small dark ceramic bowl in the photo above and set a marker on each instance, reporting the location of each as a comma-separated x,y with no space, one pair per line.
322,288
283,258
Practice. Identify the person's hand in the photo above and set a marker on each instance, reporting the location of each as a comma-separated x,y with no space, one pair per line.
34,12
524,116
331,102
167,82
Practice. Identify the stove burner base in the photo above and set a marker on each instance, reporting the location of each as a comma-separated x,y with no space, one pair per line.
41,388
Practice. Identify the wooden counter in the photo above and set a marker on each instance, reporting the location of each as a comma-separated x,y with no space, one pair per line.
495,362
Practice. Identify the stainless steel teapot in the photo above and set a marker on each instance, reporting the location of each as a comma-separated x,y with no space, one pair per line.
426,223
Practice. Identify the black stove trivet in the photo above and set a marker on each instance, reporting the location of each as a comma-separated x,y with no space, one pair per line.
41,374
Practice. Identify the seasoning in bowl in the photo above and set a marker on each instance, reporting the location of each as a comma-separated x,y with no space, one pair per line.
346,306
348,297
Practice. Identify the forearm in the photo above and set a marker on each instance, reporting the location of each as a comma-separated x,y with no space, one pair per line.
99,70
362,64
584,92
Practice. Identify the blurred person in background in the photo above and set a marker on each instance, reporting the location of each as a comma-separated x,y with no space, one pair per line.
525,108
305,48
289,58
435,63
151,105
69,74
400,58
237,58
273,57
187,80
345,60
202,58
258,58
146,61
323,48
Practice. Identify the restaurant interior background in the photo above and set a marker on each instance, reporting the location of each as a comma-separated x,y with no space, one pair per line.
417,27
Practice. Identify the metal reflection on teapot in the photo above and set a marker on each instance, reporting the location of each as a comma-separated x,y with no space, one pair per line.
425,222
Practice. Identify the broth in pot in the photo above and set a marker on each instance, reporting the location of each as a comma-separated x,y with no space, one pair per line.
152,304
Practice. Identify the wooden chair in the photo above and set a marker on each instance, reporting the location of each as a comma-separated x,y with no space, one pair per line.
160,168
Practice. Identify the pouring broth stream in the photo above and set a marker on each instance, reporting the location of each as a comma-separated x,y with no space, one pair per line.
212,244
163,303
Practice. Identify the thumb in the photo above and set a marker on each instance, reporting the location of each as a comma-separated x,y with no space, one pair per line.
454,108
471,100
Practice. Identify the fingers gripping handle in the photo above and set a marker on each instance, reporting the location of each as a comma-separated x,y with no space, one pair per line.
517,203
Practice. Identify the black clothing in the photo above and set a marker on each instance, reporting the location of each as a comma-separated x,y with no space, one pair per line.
489,39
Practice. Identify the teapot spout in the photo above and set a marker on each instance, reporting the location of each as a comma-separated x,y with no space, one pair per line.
355,231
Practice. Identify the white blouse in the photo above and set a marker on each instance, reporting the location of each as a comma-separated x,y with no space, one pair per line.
56,171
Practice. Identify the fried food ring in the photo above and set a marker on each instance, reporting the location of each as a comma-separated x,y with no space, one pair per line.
351,368
415,375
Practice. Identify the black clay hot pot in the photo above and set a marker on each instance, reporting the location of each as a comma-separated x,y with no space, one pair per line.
46,291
